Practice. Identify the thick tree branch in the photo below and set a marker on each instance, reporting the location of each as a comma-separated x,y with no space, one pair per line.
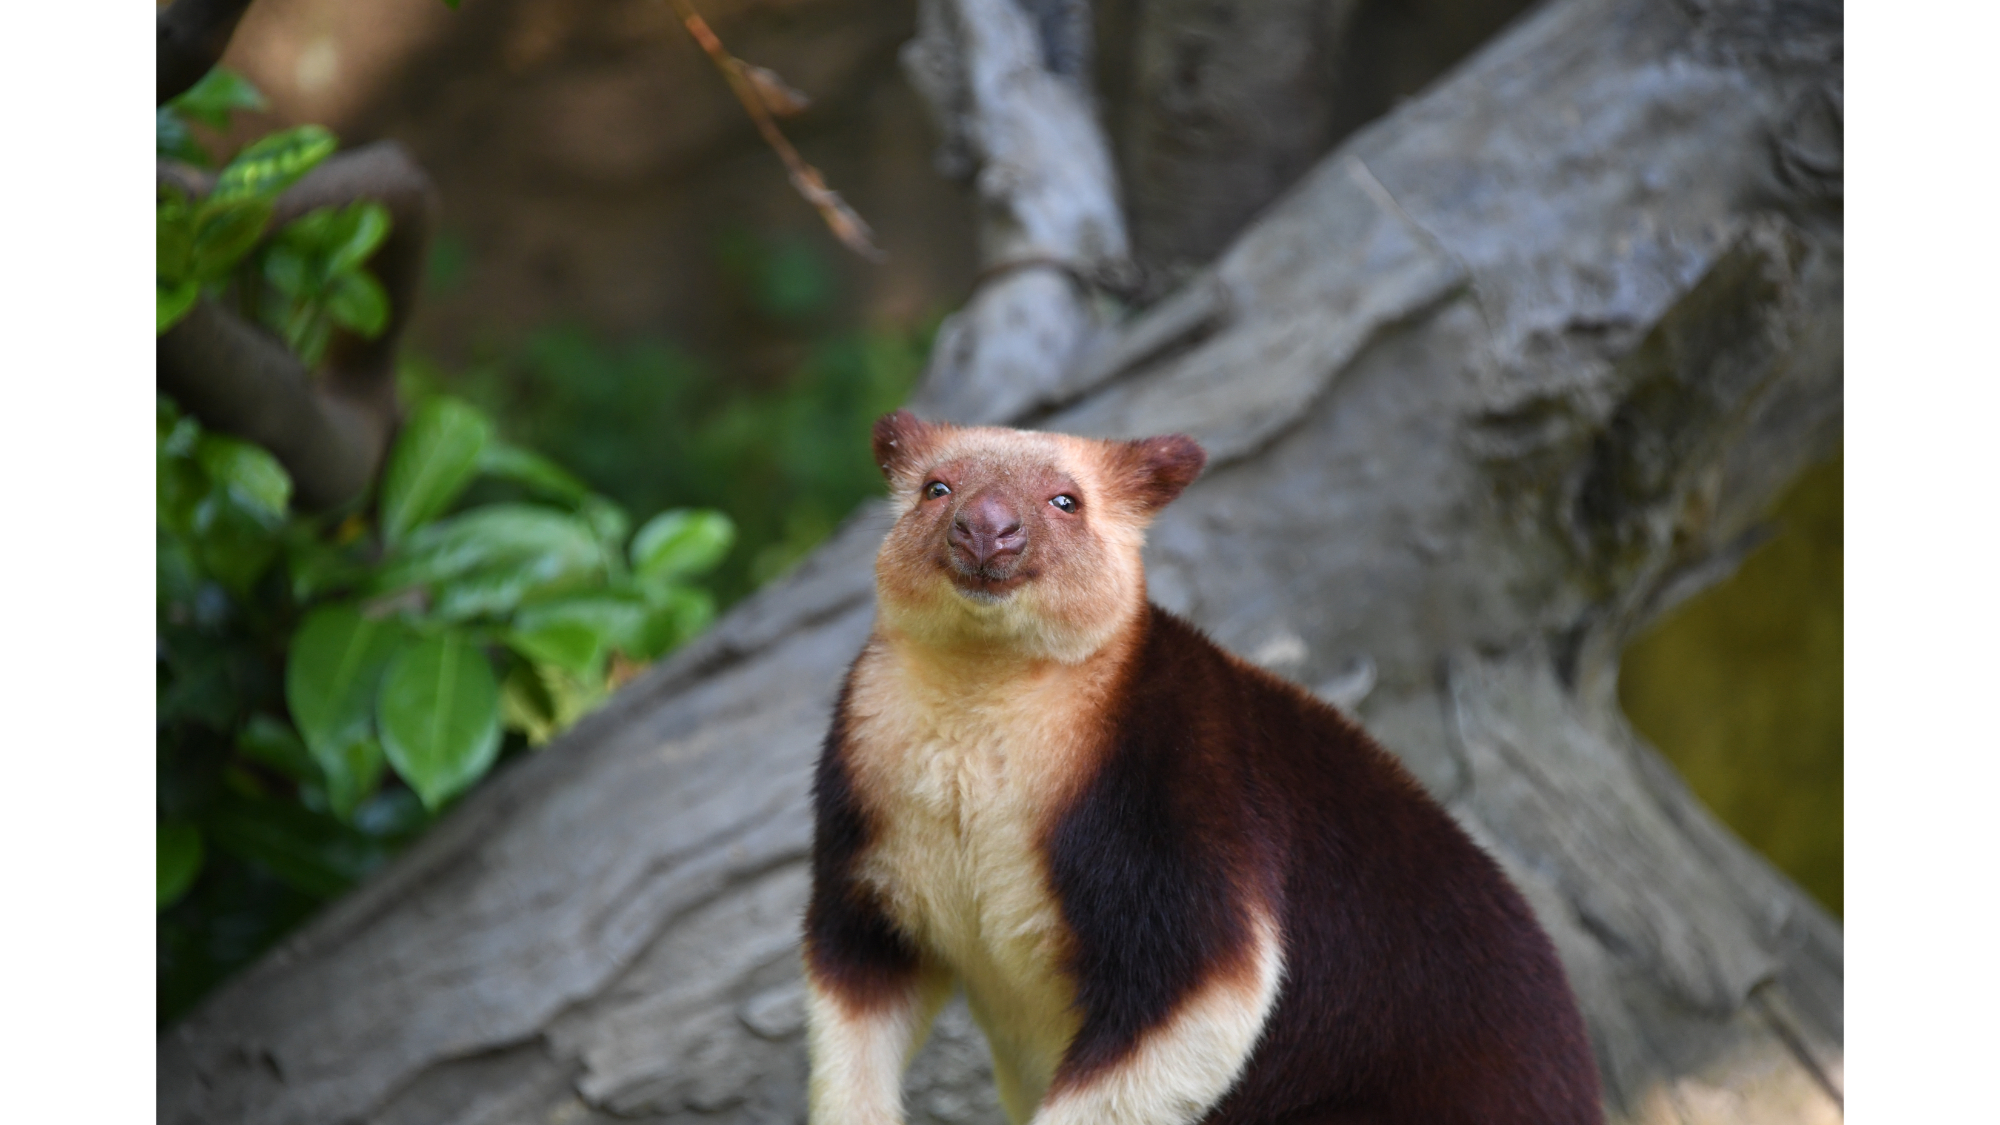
329,429
1217,107
1027,138
192,36
239,379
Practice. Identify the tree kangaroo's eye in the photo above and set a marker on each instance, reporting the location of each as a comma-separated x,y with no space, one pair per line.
1065,503
935,489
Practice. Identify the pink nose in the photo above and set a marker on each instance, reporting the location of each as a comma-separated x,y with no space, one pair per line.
986,529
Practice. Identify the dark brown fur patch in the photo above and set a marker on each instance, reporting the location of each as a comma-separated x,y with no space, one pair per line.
853,950
1418,987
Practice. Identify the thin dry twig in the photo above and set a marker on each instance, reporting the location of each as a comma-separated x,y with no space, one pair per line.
765,95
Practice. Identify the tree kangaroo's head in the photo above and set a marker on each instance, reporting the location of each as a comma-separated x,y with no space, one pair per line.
1022,540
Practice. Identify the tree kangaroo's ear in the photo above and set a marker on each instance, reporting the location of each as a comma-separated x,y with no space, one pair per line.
1152,471
903,443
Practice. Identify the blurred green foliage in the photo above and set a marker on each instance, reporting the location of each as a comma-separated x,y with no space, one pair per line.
303,281
649,423
328,683
1741,689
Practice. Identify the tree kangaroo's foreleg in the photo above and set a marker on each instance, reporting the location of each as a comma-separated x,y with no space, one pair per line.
861,1043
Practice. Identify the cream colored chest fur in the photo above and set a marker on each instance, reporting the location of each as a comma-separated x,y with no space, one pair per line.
959,784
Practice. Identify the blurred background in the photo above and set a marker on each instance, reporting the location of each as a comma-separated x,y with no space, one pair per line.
621,272
622,280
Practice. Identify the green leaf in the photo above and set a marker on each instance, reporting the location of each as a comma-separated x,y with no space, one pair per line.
541,700
253,477
679,613
333,674
173,259
175,301
210,100
439,713
682,543
290,270
307,332
574,696
312,267
275,744
236,542
360,772
271,742
609,521
353,233
527,706
179,482
357,302
319,568
505,461
570,645
496,536
173,141
490,559
486,594
224,233
179,857
337,238
641,628
618,622
434,459
573,642
264,169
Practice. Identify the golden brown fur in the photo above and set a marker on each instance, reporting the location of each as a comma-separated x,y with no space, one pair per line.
974,708
1083,580
974,713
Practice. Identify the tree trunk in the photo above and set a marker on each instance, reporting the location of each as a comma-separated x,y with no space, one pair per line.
1500,380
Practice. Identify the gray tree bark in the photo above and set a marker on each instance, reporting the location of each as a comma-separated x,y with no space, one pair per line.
1499,381
1215,107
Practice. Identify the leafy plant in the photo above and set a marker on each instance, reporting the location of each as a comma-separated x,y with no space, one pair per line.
327,684
650,423
210,101
202,240
303,281
413,649
313,280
